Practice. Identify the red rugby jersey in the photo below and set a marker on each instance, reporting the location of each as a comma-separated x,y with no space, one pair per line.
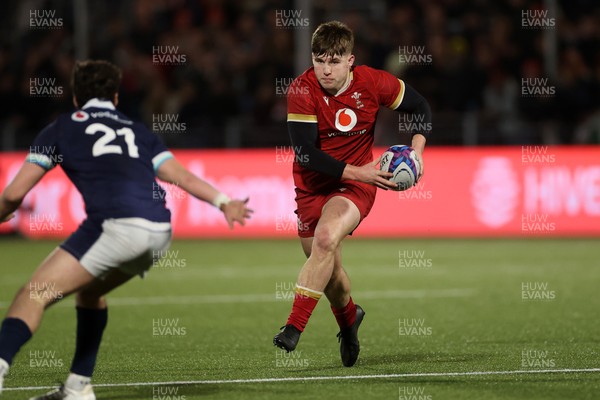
346,121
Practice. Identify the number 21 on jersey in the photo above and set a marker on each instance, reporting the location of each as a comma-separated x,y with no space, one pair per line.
103,146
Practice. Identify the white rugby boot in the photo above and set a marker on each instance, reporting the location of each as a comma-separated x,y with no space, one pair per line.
75,388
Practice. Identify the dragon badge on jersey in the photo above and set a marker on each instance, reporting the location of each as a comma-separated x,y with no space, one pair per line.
356,96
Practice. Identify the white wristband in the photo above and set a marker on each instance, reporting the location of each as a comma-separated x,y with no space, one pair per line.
221,199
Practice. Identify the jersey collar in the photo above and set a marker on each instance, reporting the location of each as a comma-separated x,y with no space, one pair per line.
97,103
347,85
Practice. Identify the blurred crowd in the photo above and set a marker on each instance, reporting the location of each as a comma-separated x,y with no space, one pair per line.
217,68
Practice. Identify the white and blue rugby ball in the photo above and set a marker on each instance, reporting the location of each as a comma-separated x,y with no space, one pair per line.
402,161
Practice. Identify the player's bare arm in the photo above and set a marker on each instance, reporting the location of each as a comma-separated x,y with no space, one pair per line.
172,171
12,197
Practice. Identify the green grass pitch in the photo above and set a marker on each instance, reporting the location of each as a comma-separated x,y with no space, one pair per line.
437,312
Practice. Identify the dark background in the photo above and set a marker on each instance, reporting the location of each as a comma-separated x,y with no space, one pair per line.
237,54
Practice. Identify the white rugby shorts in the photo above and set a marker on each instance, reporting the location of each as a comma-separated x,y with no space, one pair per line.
131,245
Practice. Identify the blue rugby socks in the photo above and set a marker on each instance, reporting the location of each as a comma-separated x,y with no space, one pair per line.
90,327
14,333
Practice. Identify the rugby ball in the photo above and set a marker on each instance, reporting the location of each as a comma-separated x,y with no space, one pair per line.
402,161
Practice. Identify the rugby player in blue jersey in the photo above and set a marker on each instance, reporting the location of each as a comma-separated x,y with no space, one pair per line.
113,162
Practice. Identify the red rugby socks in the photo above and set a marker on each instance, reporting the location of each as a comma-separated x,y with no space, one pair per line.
305,301
345,316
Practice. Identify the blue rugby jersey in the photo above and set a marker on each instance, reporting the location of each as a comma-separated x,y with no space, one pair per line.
111,159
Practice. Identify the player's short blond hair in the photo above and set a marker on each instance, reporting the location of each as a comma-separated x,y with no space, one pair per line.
332,38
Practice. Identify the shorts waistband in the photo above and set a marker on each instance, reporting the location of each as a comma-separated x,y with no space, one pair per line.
144,223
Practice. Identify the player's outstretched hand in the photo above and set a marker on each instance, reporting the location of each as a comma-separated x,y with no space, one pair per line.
369,173
236,211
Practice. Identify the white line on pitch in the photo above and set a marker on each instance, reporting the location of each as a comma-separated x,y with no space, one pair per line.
266,298
331,378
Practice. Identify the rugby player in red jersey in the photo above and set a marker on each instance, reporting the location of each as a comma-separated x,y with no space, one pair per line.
332,110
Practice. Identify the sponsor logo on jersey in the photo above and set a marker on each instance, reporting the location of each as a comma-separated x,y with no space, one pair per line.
108,114
80,116
345,119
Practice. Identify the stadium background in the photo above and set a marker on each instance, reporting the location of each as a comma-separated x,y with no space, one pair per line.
237,54
212,76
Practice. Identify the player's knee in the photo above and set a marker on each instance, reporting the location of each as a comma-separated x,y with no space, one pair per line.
324,241
87,299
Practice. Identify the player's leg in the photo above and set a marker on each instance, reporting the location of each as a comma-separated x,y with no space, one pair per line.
123,249
338,218
57,277
348,315
92,317
338,287
337,290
